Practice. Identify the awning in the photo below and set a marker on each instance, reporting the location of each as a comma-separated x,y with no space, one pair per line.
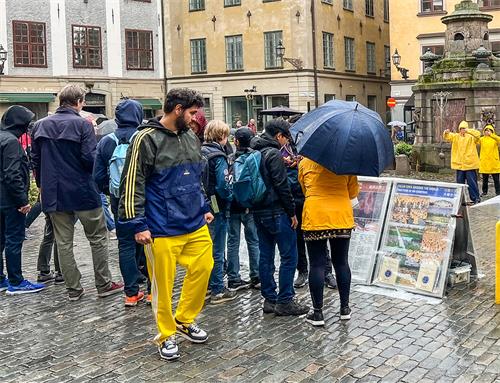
13,98
410,104
150,103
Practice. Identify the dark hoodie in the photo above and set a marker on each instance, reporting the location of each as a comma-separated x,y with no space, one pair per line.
128,116
14,170
273,171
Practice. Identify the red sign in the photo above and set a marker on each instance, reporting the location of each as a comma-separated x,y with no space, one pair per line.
391,102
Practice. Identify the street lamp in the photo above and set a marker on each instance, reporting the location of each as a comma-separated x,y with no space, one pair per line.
396,60
3,58
280,52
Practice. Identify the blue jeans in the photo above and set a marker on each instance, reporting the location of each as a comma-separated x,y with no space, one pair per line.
12,233
233,246
471,177
276,230
218,232
110,222
130,254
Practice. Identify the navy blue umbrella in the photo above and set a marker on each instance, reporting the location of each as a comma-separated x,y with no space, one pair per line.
346,138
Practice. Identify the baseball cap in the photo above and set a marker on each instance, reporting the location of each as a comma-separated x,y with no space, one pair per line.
244,135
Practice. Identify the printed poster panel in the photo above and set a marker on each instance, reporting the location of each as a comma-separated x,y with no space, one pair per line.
417,239
369,216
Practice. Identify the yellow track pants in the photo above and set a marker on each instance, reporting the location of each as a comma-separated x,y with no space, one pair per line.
192,251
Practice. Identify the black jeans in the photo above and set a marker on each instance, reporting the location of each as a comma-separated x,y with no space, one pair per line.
45,251
11,240
317,257
496,181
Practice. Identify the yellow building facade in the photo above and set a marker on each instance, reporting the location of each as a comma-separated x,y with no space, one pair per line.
227,49
415,26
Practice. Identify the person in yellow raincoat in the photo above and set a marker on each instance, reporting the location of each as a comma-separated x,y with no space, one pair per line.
464,157
327,217
489,163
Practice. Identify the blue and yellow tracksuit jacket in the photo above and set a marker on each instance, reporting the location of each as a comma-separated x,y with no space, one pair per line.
161,182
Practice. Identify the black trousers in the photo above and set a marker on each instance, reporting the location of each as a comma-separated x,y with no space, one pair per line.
496,181
302,266
45,251
317,257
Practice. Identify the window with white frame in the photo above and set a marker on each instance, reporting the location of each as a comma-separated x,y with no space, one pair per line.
369,8
371,58
386,10
230,3
234,52
429,6
350,59
198,55
196,5
348,4
328,52
271,41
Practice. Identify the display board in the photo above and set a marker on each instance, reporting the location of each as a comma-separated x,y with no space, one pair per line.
369,216
417,239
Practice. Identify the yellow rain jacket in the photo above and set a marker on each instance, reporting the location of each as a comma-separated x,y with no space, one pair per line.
489,163
328,197
464,149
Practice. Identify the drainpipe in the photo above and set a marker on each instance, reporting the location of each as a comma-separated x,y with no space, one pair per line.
315,63
163,30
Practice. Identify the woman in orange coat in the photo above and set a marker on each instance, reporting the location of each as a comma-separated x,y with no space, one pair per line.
327,217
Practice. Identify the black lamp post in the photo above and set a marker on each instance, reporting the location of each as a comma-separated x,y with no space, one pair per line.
3,58
280,52
396,60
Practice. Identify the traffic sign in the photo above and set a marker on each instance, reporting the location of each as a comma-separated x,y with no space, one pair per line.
391,102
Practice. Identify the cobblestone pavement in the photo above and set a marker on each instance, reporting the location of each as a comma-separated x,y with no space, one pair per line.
46,338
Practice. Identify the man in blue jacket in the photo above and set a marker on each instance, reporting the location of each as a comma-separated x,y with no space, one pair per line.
63,153
14,186
128,116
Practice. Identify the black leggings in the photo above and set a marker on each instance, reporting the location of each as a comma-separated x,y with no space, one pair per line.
317,258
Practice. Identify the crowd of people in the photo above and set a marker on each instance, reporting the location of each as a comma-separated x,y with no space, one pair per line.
179,194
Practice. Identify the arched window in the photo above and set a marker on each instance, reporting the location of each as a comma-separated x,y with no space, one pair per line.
486,36
458,37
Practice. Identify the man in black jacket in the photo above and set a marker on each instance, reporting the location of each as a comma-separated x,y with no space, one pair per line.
276,223
14,186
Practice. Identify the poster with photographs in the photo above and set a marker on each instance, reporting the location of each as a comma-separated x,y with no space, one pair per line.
418,234
369,216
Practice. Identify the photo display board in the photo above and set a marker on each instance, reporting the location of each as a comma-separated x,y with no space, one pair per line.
417,238
369,217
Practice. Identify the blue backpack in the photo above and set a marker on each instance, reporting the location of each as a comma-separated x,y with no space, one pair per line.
248,186
116,163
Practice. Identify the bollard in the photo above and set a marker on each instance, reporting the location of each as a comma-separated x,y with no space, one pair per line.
497,265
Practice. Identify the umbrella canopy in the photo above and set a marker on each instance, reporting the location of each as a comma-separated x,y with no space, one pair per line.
279,111
98,118
106,127
491,201
397,123
346,138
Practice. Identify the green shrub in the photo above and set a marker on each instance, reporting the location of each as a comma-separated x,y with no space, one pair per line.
403,148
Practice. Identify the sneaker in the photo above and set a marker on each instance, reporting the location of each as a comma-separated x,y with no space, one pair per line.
255,283
59,279
268,307
112,235
45,277
141,280
4,285
484,194
208,294
301,280
132,301
191,332
291,308
113,288
25,287
149,299
240,285
330,281
224,296
75,295
168,349
345,313
315,317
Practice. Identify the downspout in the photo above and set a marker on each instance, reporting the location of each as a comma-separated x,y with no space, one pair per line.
315,63
164,48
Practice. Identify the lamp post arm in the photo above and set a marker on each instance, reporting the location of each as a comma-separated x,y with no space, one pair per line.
297,63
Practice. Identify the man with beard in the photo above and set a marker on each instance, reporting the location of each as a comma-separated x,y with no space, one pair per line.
163,202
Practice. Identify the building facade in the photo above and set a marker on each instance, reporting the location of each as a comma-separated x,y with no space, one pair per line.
227,49
114,48
426,32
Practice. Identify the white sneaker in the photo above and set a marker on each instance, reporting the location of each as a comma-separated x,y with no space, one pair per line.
168,349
